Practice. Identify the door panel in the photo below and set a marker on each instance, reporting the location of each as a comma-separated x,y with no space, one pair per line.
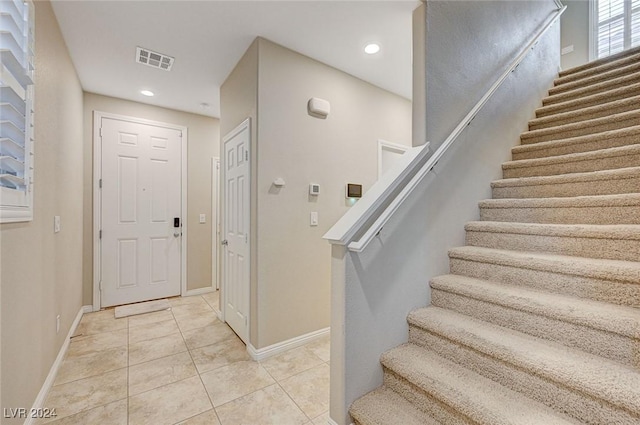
141,194
236,232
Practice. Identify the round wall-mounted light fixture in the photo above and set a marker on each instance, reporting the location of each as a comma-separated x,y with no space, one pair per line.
372,48
146,92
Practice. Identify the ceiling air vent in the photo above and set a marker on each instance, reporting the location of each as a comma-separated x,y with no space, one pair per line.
154,59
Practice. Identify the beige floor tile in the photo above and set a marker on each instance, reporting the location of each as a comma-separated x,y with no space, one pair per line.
157,348
218,355
92,344
169,404
310,390
213,299
112,414
145,319
291,362
101,321
267,406
88,393
156,373
206,418
80,367
152,330
196,320
322,419
181,301
320,347
236,380
208,335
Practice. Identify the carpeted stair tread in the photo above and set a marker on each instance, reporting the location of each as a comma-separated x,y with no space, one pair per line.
580,162
614,242
600,378
384,406
627,136
605,182
481,400
560,106
598,65
620,320
619,200
603,75
600,87
625,272
582,128
584,114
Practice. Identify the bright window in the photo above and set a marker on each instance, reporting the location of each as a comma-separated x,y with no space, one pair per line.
16,110
616,26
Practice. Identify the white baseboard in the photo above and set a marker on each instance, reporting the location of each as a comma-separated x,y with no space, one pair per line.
199,291
280,347
51,377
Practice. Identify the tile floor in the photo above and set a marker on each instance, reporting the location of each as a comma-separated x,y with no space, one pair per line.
184,366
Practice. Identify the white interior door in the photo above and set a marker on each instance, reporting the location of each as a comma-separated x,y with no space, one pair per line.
236,230
141,196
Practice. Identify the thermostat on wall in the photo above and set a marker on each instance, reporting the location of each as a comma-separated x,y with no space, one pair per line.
354,190
314,189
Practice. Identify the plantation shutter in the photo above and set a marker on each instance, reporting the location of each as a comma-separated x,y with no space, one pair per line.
16,110
618,26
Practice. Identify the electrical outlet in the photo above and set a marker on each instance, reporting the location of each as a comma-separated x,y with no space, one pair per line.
58,323
56,224
203,218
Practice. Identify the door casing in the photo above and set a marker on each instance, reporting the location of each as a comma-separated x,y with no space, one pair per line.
97,198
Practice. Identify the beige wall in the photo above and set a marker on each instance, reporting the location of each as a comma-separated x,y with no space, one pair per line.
41,272
203,144
291,274
575,32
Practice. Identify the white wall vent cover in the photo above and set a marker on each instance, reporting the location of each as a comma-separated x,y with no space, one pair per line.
154,59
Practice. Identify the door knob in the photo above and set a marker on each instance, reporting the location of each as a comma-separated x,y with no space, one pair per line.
224,242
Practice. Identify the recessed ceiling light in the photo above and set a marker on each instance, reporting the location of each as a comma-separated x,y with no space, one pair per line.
146,92
371,48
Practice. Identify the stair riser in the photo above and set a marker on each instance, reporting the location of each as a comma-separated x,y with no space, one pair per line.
563,190
560,282
588,91
582,129
630,159
585,215
599,77
558,106
555,395
604,141
602,343
592,68
424,401
611,249
556,120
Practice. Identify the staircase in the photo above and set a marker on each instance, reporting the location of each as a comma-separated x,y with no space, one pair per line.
539,320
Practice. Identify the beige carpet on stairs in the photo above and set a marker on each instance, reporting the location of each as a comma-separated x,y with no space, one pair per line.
538,321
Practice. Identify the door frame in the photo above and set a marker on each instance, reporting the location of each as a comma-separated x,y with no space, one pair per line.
97,197
216,226
246,124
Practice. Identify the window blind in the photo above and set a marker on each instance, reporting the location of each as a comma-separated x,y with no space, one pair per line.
617,27
16,110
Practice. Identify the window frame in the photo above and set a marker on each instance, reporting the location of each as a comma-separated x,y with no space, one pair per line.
17,205
594,24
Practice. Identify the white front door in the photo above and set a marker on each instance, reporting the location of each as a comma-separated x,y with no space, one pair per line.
140,198
236,230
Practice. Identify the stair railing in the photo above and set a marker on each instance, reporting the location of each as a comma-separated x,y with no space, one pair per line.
367,217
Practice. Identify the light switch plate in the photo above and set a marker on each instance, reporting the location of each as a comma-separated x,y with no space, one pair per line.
56,224
314,218
203,218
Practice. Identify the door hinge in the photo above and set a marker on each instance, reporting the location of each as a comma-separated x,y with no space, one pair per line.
100,234
100,286
100,131
246,155
100,183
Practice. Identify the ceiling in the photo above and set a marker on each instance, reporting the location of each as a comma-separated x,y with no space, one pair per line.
208,38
